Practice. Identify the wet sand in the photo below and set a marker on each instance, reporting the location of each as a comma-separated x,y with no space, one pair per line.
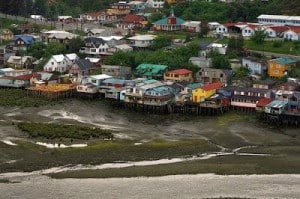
178,186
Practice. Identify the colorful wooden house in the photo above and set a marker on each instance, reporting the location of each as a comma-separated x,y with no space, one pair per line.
276,107
294,102
247,98
179,75
280,66
158,96
202,93
135,93
21,42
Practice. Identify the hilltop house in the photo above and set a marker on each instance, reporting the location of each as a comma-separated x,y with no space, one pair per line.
19,62
21,42
94,46
280,66
59,36
132,21
56,63
170,23
141,41
118,9
292,34
279,20
81,67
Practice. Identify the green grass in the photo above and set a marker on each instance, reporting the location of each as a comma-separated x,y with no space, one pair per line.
224,165
18,97
54,131
31,157
286,47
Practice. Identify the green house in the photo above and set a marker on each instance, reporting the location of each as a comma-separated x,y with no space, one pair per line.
151,71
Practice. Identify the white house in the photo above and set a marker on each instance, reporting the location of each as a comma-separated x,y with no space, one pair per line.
141,41
221,29
276,31
292,34
71,58
94,46
192,26
97,80
279,20
156,3
256,66
248,30
56,63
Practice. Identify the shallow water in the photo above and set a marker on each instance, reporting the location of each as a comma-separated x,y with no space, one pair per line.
179,186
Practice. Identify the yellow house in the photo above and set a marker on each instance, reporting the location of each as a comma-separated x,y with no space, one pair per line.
204,92
280,66
178,75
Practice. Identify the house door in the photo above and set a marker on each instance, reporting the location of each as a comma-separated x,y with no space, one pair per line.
195,98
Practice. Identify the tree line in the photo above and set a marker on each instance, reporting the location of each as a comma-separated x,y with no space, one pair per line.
192,10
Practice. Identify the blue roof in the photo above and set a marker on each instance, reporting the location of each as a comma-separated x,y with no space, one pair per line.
284,60
26,38
165,20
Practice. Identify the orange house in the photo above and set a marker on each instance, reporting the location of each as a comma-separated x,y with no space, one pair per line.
280,66
179,75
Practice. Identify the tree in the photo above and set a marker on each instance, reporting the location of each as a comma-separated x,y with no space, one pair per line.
74,45
242,72
219,61
259,36
160,42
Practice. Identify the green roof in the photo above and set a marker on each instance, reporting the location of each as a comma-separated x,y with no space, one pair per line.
151,69
284,60
195,85
164,21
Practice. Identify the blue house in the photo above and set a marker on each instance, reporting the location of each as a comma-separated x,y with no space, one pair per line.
21,42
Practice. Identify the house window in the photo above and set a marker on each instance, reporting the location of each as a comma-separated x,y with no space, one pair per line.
52,63
221,75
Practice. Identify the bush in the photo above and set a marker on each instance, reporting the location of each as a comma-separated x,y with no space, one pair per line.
53,131
277,44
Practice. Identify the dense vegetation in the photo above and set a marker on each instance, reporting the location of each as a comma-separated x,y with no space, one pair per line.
192,10
18,97
52,131
176,58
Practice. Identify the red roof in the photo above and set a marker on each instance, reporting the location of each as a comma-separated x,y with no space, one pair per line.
212,86
279,29
182,71
295,29
263,102
133,18
24,77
